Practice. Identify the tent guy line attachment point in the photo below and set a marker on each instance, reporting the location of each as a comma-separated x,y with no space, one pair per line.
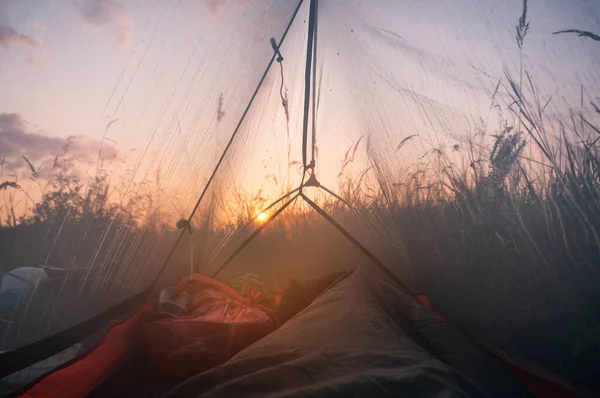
276,50
227,147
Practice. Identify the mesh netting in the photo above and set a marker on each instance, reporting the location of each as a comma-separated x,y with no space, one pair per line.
457,143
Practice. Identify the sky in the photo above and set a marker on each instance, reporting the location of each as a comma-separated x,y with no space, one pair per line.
157,87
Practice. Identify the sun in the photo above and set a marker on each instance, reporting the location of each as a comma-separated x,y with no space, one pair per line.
262,217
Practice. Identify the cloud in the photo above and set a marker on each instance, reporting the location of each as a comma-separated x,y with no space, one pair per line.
108,16
216,6
16,142
10,37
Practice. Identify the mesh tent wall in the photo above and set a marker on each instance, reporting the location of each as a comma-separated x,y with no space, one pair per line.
406,126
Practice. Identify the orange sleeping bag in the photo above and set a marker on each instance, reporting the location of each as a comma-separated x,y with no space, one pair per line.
220,324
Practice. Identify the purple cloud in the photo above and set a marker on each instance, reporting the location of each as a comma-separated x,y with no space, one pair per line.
16,142
108,16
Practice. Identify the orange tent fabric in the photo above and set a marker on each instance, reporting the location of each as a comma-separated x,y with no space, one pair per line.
81,377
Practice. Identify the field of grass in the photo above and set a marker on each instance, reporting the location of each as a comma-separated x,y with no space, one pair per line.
507,248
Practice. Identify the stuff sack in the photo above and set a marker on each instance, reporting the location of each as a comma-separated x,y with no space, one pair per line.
217,323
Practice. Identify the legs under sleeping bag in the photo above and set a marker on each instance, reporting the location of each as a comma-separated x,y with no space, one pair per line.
361,337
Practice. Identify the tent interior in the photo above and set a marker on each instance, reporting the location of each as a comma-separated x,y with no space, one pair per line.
414,188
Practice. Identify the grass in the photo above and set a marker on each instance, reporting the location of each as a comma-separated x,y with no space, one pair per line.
507,245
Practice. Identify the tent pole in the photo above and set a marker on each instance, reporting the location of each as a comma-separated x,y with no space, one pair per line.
293,191
356,243
251,237
314,88
335,195
307,81
312,181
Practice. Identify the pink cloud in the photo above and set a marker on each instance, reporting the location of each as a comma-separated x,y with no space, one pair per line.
109,17
10,37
